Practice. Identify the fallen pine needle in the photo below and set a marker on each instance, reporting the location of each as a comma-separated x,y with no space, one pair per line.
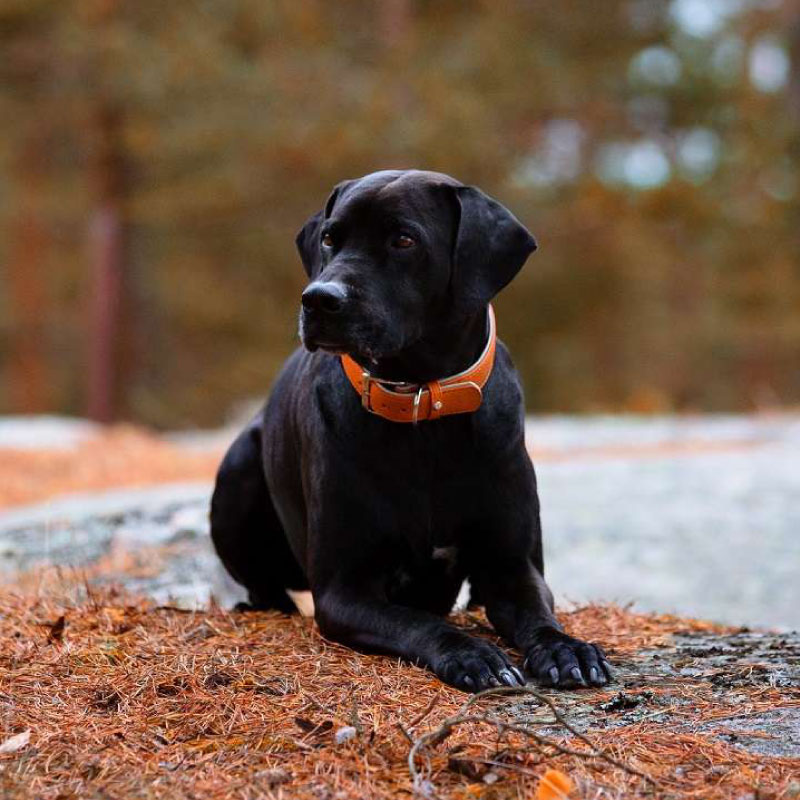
135,700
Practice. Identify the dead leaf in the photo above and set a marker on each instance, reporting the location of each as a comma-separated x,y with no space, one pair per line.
554,785
307,726
107,699
217,679
15,743
56,632
172,688
464,767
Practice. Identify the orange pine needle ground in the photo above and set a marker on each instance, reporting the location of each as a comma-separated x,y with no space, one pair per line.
119,456
125,699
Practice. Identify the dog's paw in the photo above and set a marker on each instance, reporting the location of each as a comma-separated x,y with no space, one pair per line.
565,662
474,665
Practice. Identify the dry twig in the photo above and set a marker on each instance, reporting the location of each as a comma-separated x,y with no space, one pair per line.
502,725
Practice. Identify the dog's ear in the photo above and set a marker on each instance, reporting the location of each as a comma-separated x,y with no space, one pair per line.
491,245
307,240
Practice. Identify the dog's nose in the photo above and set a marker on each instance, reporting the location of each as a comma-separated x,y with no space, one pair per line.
328,297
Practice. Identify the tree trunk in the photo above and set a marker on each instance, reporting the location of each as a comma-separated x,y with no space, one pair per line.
28,379
107,265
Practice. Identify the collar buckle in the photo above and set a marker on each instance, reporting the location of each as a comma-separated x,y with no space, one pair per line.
415,409
402,401
366,380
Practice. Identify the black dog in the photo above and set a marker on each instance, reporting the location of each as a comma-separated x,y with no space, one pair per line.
381,519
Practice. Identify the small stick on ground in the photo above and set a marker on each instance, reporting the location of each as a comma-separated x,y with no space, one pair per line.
462,717
434,700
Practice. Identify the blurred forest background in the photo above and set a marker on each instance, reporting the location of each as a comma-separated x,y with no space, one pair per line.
158,158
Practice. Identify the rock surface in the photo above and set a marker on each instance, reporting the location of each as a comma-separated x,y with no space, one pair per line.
718,673
693,515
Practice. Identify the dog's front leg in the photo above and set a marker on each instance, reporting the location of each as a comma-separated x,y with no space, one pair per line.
519,605
364,621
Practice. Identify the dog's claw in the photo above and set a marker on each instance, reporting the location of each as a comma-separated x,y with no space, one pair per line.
512,677
557,659
474,665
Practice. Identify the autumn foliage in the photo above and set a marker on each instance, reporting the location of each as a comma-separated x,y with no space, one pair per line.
159,159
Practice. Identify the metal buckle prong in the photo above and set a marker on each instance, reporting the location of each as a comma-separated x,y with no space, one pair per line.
365,381
415,412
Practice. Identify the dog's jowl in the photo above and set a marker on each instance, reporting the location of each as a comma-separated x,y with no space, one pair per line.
389,463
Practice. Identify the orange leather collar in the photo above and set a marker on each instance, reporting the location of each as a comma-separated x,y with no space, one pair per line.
410,402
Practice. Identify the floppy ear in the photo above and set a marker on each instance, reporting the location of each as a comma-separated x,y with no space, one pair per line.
307,240
490,248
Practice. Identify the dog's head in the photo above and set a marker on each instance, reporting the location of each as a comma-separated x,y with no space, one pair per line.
395,252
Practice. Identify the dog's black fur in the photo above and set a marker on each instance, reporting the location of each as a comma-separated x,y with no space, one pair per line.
383,521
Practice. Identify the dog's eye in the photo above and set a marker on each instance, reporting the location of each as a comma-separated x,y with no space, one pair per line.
403,242
327,240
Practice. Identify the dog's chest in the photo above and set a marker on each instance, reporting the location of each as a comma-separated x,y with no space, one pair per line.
434,525
436,487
